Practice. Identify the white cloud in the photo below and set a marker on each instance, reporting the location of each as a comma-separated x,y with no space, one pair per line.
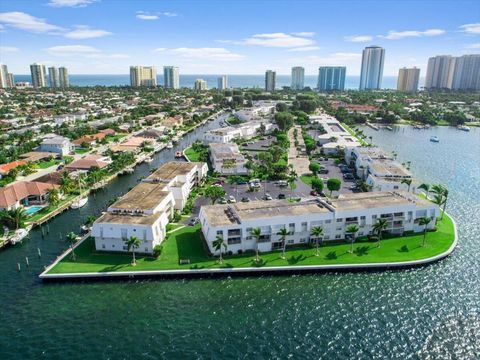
473,46
72,50
219,54
169,14
305,48
276,40
471,28
145,15
304,34
9,49
85,32
396,35
359,38
70,3
24,21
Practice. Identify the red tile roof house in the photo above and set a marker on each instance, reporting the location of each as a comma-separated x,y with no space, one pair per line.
90,139
24,193
107,131
89,161
5,168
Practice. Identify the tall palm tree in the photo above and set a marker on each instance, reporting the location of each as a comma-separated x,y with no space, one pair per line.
424,221
17,217
317,232
408,182
443,191
379,227
292,177
72,239
218,243
53,196
256,233
133,243
283,233
66,183
426,188
352,229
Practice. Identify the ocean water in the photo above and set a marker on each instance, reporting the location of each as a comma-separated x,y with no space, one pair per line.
431,312
351,82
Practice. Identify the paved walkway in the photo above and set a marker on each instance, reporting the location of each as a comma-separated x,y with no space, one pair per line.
299,161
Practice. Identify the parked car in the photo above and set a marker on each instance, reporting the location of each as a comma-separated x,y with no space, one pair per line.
282,196
322,194
282,183
313,193
231,199
242,182
245,199
323,171
348,176
219,182
267,196
194,221
223,200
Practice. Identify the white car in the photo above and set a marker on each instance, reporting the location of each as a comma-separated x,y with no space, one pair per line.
231,199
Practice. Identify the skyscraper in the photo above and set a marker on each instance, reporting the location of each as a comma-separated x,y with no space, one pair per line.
10,80
270,79
200,85
466,75
143,76
171,78
53,77
222,82
64,80
3,76
371,74
331,78
440,71
39,75
298,78
408,79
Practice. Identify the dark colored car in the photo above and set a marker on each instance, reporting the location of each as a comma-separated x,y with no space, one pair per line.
348,176
323,171
245,199
242,182
313,193
281,196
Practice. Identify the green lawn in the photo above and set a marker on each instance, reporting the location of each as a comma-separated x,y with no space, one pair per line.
186,244
307,179
46,210
47,164
354,134
81,151
192,155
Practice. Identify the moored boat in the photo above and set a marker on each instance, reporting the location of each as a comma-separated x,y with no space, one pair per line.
19,235
178,154
79,203
169,145
434,139
463,127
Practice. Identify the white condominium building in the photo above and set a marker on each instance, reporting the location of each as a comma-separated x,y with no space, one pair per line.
226,159
408,79
259,110
371,73
171,77
222,82
235,222
53,77
4,76
200,85
298,78
39,75
64,79
336,136
243,131
143,76
270,80
145,210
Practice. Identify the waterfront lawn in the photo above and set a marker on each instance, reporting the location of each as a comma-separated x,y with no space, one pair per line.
192,155
354,134
48,209
186,244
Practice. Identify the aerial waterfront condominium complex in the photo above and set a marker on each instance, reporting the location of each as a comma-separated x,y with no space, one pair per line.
331,78
270,79
244,130
145,210
53,77
371,73
143,76
235,222
227,159
200,85
171,77
408,79
222,82
298,78
39,75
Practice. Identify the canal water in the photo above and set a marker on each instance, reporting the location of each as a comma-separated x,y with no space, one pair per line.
425,313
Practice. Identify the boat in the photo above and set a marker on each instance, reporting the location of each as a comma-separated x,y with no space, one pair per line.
178,154
434,139
128,171
463,127
148,160
18,236
418,127
389,128
169,145
80,203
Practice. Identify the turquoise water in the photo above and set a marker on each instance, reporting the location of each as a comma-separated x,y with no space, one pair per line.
33,209
424,313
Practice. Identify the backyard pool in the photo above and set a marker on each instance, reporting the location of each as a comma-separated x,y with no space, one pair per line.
33,209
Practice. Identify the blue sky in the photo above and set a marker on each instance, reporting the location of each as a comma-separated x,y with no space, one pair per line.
232,37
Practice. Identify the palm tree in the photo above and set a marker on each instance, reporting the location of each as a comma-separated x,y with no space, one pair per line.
66,183
379,227
408,182
424,221
283,233
426,188
352,229
442,191
292,177
218,243
133,243
72,239
53,196
256,233
317,232
17,217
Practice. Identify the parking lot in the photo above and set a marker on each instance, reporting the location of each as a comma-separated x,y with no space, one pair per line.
259,145
335,172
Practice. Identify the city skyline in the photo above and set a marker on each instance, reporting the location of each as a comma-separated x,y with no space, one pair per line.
88,42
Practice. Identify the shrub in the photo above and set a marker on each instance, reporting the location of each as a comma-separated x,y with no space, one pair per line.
157,250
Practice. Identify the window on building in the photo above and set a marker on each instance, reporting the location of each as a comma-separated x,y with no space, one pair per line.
290,242
328,221
103,246
339,220
303,240
339,228
338,236
124,233
304,226
234,240
220,232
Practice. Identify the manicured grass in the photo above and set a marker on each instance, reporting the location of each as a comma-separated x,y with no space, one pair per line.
47,164
307,179
186,244
353,133
81,151
192,155
46,210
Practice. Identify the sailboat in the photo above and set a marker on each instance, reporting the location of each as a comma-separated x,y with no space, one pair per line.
82,201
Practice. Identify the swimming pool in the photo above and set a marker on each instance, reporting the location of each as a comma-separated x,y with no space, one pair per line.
33,209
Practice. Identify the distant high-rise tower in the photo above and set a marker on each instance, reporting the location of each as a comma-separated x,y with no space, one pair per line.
53,77
298,78
440,71
3,76
371,74
408,79
143,76
171,77
200,85
63,74
39,75
331,78
270,79
222,82
11,80
466,75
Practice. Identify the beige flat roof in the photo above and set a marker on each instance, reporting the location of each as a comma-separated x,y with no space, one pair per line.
389,167
143,196
357,201
170,170
128,219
